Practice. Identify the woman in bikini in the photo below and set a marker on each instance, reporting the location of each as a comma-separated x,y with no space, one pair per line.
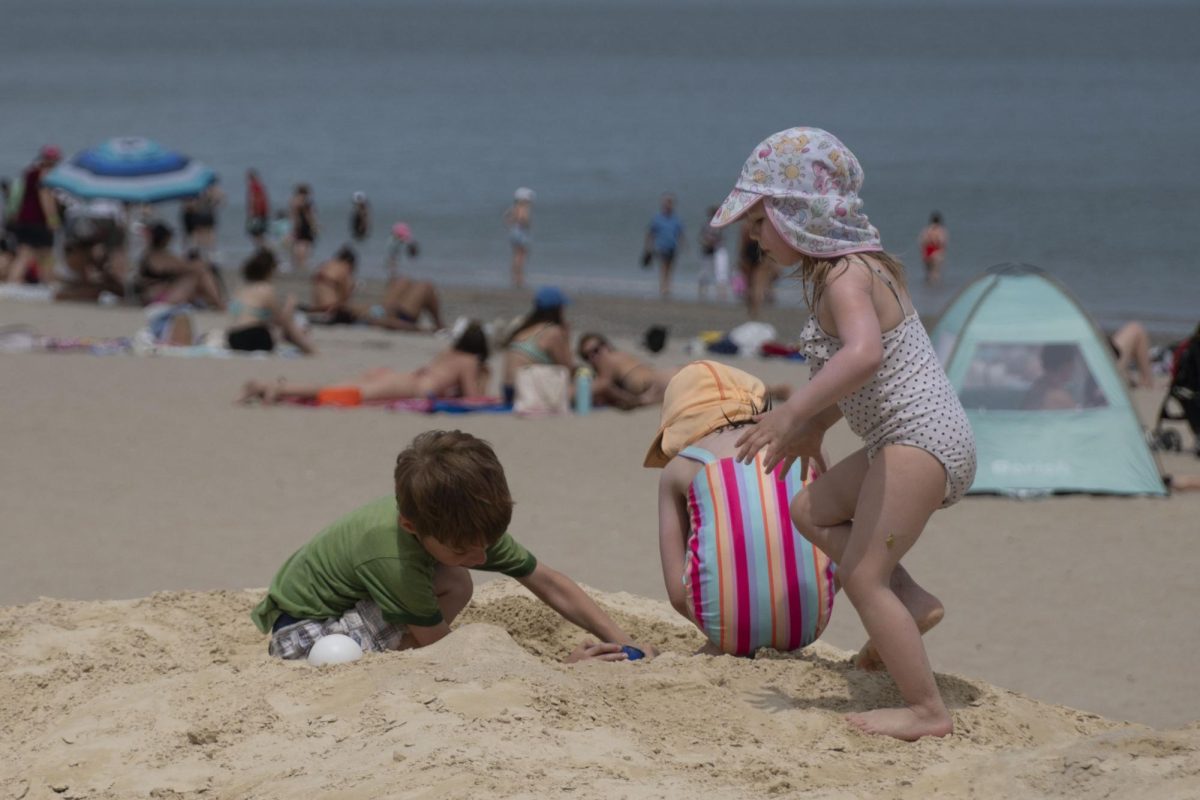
460,371
622,379
404,301
626,382
164,277
541,338
259,312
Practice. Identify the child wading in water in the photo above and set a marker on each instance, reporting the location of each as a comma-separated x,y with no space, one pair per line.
731,562
872,362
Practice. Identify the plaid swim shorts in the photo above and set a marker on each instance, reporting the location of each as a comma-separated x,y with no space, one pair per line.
364,624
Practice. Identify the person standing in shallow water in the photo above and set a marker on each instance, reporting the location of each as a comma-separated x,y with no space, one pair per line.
933,241
303,226
360,217
258,209
519,219
662,242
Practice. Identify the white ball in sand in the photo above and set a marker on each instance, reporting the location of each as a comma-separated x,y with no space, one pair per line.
336,648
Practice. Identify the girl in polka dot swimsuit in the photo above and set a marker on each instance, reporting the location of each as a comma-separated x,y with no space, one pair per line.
872,363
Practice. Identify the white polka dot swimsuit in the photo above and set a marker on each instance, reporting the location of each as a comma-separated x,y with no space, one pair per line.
908,401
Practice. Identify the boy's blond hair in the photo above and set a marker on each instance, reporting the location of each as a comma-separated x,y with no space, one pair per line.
450,487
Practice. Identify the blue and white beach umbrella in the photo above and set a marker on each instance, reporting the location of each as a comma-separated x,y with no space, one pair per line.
132,169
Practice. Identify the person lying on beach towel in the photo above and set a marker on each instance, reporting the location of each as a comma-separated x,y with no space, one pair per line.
626,382
393,574
622,379
777,589
460,371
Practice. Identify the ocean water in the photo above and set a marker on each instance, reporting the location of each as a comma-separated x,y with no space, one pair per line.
1062,134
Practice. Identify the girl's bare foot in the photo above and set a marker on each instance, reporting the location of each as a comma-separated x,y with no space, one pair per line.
927,611
903,723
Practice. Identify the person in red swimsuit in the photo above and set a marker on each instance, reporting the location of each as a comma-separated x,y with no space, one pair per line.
933,248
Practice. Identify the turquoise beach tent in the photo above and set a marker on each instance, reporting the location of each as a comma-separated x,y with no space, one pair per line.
1040,386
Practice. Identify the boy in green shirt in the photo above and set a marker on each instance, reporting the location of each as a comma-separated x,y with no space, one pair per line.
394,573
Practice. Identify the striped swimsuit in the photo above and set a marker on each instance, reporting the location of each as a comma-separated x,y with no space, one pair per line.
752,580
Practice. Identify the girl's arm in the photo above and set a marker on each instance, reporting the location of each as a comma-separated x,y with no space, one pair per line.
848,297
673,527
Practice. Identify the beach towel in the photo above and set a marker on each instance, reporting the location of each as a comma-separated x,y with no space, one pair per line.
421,405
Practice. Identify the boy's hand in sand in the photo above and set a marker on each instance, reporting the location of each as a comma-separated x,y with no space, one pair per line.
587,650
786,437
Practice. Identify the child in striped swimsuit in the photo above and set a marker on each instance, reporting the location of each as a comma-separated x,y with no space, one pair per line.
732,562
872,363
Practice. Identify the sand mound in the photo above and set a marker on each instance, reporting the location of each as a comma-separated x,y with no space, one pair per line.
173,696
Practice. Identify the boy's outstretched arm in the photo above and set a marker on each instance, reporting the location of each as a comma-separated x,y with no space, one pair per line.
564,596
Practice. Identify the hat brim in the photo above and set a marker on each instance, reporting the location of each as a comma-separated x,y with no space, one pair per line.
735,206
655,457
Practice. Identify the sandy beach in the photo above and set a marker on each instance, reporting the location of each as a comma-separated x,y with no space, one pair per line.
149,506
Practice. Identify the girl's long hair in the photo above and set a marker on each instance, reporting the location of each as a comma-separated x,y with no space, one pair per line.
815,272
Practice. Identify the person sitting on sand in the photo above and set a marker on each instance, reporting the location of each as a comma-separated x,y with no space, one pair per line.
393,574
460,371
540,338
1131,347
780,594
622,379
404,301
164,277
258,310
332,286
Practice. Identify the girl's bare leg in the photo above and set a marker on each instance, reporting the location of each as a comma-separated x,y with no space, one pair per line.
822,513
902,488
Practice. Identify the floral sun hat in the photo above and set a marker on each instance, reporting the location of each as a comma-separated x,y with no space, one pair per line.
810,184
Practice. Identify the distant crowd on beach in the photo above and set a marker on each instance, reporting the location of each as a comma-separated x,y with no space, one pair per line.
106,250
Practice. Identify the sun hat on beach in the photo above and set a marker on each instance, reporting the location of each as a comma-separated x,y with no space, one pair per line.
359,197
50,153
524,193
549,297
809,182
703,396
401,231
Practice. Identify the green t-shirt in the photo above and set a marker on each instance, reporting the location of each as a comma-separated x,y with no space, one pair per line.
365,555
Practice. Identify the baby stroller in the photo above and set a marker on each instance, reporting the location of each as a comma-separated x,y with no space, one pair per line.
1182,402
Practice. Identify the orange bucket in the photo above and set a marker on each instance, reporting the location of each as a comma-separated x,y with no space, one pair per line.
343,396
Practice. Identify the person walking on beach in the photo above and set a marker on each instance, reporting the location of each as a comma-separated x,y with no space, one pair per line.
933,241
303,214
519,219
872,362
360,217
33,220
662,242
258,209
